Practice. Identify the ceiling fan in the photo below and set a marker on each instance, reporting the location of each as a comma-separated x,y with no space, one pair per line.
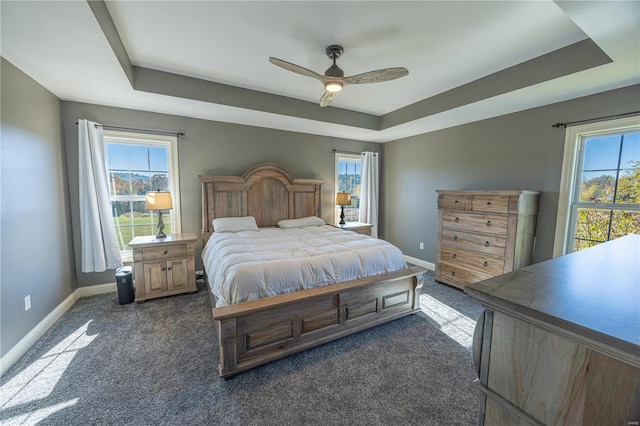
334,80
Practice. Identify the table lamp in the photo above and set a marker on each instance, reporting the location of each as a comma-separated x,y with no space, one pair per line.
343,199
159,201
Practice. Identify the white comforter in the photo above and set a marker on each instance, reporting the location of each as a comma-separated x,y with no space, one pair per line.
249,265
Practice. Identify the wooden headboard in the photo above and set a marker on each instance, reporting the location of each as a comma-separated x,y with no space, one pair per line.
265,191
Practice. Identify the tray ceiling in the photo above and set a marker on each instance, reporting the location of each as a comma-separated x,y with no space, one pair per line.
467,60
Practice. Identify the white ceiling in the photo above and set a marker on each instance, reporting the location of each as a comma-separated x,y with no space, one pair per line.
445,45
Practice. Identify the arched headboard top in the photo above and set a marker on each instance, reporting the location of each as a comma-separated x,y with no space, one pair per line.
267,192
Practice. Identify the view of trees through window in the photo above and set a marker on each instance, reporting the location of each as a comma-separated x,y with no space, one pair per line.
608,202
349,174
134,170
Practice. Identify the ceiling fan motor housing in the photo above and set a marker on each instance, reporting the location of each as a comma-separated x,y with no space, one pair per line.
334,71
334,52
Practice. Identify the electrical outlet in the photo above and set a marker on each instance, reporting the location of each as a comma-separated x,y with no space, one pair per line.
421,246
27,303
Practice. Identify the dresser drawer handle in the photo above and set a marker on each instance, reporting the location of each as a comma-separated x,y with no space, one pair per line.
488,203
169,268
455,202
455,238
166,252
164,269
456,220
486,243
454,255
453,273
485,263
488,223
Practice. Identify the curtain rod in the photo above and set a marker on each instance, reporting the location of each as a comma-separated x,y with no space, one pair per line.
348,152
589,120
155,132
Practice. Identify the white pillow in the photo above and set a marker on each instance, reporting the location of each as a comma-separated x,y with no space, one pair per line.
301,223
234,224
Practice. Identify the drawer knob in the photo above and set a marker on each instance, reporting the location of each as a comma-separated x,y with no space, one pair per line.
455,202
454,255
488,203
456,220
486,243
455,238
166,251
168,269
488,223
453,273
485,263
164,269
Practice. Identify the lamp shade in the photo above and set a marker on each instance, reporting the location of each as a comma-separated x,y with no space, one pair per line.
343,198
159,201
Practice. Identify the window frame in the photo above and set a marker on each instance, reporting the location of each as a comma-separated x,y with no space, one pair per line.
338,157
149,139
570,182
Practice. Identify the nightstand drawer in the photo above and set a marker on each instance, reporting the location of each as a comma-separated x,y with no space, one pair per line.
164,252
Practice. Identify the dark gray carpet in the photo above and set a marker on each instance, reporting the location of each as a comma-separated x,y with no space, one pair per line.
156,363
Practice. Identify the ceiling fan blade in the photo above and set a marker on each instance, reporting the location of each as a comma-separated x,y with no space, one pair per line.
327,98
297,69
377,76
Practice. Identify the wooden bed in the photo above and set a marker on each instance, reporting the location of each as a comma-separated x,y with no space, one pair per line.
257,332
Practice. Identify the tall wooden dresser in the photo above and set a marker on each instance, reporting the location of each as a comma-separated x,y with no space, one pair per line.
482,234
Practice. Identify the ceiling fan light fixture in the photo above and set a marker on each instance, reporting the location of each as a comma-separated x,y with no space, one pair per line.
333,86
334,80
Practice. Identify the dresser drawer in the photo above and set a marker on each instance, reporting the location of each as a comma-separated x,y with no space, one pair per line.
459,275
476,222
487,244
164,252
477,261
455,202
491,203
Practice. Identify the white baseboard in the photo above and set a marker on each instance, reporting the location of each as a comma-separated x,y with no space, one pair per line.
419,262
94,290
16,352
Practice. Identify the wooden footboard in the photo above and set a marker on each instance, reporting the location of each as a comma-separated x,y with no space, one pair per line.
257,332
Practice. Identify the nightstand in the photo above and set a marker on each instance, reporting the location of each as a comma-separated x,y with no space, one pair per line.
359,227
163,266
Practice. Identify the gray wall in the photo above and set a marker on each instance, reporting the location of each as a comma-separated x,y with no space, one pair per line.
515,151
209,147
36,245
39,229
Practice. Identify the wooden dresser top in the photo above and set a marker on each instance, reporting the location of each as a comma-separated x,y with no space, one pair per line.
593,294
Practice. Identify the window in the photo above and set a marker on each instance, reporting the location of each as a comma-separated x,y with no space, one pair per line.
600,189
348,177
137,163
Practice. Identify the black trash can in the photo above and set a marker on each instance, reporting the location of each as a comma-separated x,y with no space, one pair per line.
124,280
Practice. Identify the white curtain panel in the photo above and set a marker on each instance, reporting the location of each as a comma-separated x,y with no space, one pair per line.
369,191
100,249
